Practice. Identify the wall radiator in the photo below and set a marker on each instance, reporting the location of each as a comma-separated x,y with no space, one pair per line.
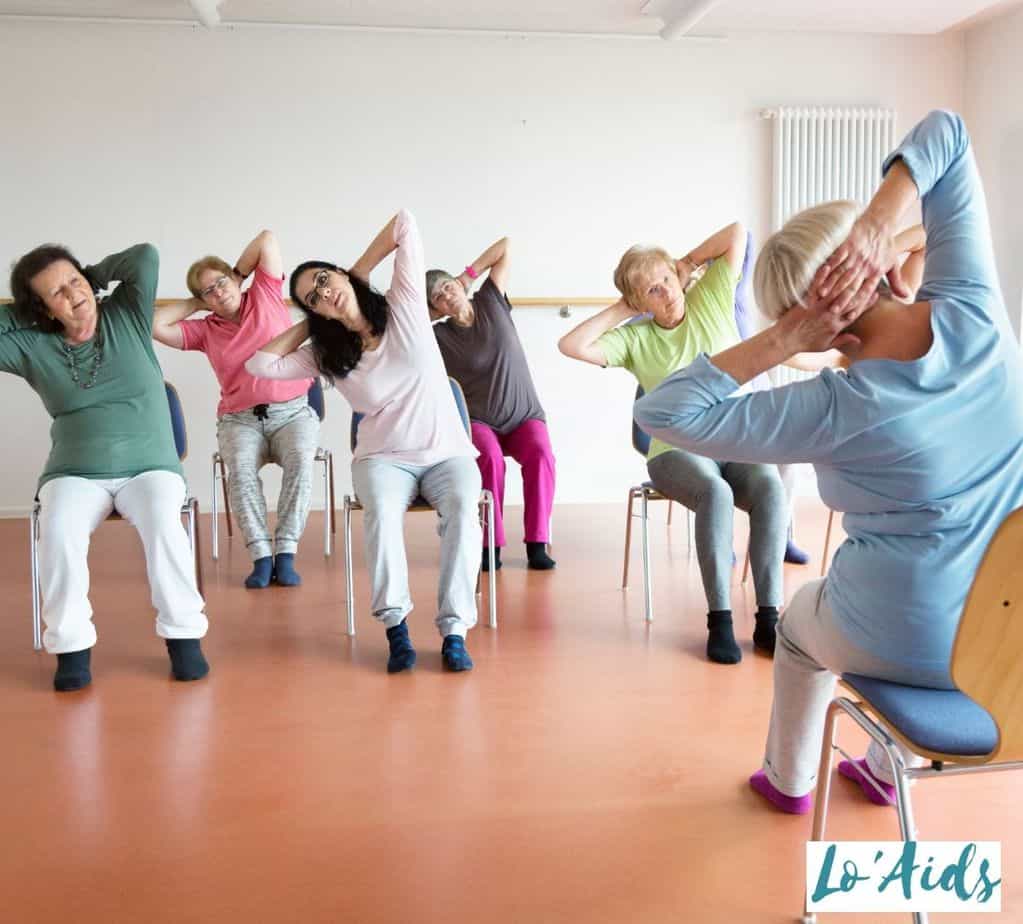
825,153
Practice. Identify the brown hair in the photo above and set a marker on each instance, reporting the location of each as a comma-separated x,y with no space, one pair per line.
210,262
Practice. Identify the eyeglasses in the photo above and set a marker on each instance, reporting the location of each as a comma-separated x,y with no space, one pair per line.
320,281
219,286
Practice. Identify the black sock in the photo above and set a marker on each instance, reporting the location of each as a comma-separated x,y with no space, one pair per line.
454,655
721,646
187,662
72,671
763,634
486,558
536,554
402,654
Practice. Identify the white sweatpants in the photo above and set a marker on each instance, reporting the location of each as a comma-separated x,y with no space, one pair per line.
70,510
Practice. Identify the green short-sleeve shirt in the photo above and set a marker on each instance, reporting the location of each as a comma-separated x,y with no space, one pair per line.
652,353
121,426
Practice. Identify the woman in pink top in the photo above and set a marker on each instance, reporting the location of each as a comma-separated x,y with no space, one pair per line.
258,421
380,353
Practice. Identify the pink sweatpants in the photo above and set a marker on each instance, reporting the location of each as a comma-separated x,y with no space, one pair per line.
530,446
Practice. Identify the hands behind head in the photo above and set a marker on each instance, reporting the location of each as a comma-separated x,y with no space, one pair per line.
820,323
868,253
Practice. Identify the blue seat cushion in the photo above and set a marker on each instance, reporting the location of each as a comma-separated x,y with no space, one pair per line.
942,721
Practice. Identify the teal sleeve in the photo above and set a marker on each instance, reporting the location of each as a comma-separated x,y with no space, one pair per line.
12,342
137,269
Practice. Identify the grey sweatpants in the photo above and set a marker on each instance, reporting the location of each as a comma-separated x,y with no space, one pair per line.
288,436
452,488
811,650
712,490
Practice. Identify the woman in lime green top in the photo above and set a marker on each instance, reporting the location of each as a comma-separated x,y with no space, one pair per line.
680,325
92,363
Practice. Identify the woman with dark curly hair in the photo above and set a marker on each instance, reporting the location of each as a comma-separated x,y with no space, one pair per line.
92,363
380,353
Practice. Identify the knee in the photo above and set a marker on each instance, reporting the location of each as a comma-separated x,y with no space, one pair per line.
716,493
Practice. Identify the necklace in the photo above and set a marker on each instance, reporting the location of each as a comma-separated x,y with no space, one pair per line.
97,360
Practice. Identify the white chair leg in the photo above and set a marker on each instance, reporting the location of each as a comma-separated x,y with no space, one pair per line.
37,606
215,509
647,584
349,583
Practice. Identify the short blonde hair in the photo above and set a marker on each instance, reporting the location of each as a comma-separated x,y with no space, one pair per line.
791,257
636,259
213,263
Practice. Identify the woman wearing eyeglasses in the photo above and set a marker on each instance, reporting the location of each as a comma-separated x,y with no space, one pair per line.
258,421
381,354
93,365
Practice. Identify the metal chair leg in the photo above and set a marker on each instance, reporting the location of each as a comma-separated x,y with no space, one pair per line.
671,507
745,567
214,524
194,540
326,506
628,540
333,504
349,583
827,543
37,605
647,584
492,574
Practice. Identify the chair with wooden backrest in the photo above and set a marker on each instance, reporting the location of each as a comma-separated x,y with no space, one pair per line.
486,508
316,402
189,509
977,728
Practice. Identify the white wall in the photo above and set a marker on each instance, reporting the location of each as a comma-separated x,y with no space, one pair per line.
994,112
575,148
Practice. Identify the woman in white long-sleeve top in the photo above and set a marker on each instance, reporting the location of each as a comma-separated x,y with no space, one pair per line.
920,443
381,354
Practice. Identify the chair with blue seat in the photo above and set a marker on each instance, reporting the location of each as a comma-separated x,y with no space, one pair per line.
317,403
486,510
976,728
190,510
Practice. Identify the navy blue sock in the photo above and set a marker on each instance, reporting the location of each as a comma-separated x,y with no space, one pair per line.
72,670
794,555
764,633
721,646
187,662
537,557
284,570
403,655
262,571
486,558
454,655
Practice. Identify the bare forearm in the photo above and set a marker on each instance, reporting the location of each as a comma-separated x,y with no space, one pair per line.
748,359
580,342
381,246
168,315
896,193
717,245
264,251
493,254
288,341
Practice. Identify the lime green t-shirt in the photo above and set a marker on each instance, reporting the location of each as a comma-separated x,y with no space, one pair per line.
120,426
652,353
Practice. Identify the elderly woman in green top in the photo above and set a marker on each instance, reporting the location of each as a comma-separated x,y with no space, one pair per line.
681,325
92,363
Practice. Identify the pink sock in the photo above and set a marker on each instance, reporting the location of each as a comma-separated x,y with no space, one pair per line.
794,805
859,772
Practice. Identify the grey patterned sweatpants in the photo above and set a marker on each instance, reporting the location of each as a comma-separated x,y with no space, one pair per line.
288,435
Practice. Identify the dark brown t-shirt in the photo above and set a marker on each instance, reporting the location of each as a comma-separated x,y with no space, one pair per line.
489,363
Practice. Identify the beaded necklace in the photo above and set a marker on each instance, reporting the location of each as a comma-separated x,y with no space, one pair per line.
97,360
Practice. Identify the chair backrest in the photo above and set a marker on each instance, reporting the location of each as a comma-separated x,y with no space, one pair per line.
177,416
456,391
315,396
987,657
640,438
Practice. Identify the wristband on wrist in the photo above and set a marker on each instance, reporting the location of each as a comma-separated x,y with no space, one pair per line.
471,273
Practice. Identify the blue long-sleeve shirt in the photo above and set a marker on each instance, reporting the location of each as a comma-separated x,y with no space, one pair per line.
925,458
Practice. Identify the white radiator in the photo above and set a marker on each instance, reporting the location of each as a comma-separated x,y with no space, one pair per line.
825,153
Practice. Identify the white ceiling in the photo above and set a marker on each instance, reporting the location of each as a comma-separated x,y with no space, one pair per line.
575,16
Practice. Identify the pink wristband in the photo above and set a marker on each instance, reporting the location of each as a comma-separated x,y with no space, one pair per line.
471,273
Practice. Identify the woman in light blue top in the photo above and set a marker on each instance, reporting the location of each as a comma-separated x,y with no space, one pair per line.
920,444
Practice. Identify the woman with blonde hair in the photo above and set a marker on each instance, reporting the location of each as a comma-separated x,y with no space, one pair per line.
919,443
683,323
